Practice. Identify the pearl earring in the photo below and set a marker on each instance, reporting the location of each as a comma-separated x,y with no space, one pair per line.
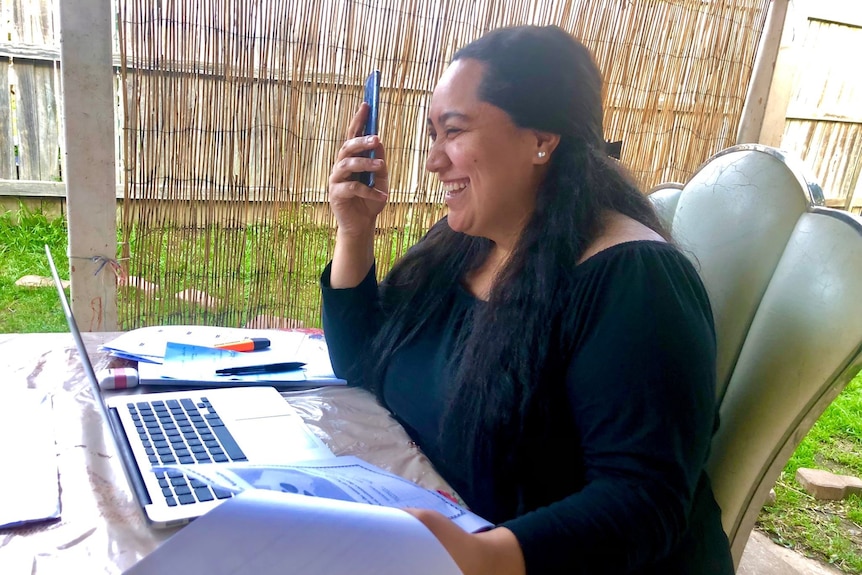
542,154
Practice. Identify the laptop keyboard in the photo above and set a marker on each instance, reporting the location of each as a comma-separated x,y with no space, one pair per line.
187,432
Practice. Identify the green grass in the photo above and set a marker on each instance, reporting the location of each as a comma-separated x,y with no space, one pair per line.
277,273
828,531
264,282
23,235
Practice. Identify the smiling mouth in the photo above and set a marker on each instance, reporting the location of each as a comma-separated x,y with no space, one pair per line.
454,187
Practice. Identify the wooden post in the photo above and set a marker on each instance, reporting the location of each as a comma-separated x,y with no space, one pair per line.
765,108
88,104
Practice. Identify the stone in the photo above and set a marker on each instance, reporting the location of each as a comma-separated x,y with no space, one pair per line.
764,557
200,298
826,485
39,281
140,283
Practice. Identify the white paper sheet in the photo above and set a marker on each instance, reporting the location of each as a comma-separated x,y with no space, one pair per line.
148,343
29,485
269,533
347,478
182,355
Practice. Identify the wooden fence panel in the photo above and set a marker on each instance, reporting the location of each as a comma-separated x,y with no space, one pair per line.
824,117
7,141
832,152
38,126
32,21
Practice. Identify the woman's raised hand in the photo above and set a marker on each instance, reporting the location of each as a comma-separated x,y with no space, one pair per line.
354,204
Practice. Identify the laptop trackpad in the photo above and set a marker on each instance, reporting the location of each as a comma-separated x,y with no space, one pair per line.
279,439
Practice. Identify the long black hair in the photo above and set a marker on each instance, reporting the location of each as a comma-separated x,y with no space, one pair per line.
513,351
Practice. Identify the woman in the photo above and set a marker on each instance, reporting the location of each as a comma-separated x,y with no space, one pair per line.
547,348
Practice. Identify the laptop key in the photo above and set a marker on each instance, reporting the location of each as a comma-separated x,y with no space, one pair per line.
186,499
186,459
222,493
171,501
229,443
203,494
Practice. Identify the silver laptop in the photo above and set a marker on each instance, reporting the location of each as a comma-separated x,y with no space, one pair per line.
242,424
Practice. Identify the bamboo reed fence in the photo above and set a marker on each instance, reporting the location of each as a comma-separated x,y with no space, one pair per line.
235,110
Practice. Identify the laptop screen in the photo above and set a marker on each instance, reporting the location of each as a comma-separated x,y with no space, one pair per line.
76,335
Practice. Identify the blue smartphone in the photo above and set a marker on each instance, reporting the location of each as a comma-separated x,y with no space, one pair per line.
372,98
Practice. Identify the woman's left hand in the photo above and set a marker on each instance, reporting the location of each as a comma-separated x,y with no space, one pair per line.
494,552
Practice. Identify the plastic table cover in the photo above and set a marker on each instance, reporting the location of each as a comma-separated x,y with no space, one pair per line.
101,529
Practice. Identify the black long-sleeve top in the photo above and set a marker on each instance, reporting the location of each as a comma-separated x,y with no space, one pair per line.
640,387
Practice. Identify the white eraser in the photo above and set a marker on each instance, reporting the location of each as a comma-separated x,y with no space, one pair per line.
118,378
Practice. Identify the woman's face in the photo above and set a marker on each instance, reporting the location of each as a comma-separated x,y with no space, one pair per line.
489,167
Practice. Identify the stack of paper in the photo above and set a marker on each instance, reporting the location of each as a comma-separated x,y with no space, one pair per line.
29,487
185,355
319,517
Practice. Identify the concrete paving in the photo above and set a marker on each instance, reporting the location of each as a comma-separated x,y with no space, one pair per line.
763,557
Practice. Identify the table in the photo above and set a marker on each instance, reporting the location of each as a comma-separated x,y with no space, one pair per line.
102,529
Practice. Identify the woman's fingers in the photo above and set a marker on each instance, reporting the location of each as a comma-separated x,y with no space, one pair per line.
354,130
353,159
356,189
344,169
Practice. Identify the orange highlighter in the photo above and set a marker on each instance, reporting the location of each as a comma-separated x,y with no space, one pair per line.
248,344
